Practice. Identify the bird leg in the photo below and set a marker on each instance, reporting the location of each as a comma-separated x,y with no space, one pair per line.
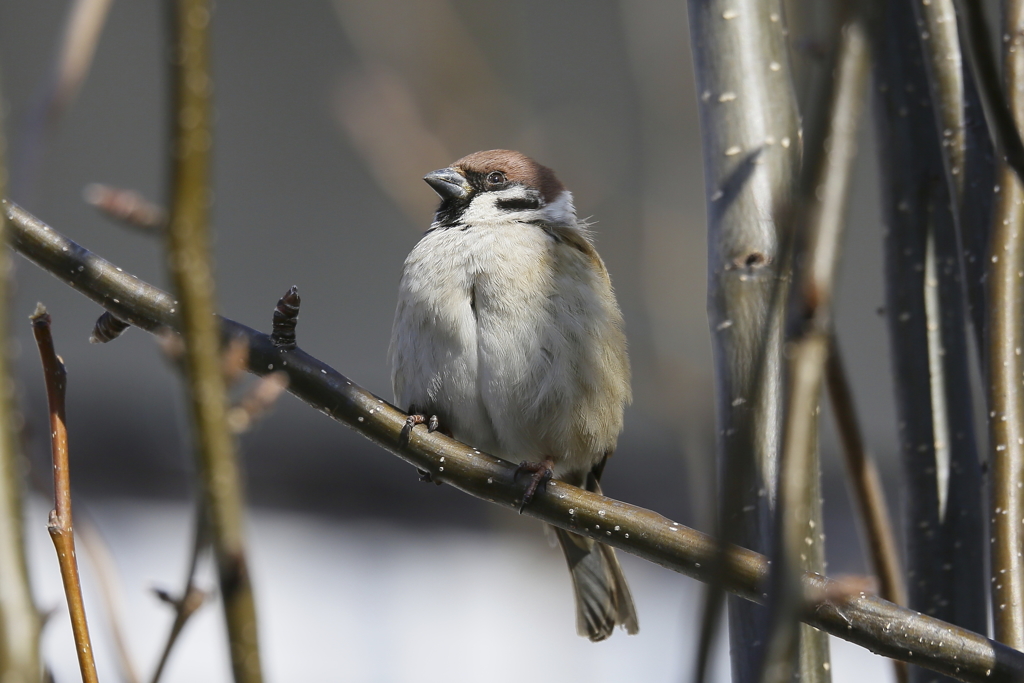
417,418
540,474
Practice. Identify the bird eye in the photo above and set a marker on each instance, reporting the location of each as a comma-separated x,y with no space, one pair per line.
495,178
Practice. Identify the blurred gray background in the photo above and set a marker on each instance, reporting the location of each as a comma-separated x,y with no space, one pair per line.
327,117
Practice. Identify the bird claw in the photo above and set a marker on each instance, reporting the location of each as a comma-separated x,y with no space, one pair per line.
540,475
417,419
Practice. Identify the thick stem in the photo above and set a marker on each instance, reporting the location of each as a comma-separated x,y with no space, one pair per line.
61,526
191,272
751,138
927,321
1006,367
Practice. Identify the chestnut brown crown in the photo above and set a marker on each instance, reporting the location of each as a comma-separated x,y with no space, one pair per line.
516,167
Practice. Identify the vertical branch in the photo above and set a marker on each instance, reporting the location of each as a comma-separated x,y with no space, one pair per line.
823,204
751,138
1006,365
191,271
61,526
927,324
963,140
19,620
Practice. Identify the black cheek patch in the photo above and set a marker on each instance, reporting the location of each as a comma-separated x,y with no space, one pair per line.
518,204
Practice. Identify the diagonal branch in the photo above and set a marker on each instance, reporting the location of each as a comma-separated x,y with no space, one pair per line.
866,620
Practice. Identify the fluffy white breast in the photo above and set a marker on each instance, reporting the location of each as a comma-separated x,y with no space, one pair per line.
508,330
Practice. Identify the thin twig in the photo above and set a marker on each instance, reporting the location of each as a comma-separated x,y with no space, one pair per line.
19,619
61,525
866,487
798,520
1006,367
128,207
863,619
97,551
75,52
192,275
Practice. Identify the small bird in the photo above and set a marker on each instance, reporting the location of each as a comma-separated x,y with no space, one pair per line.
508,336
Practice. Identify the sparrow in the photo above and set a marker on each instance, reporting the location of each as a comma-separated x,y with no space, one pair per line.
508,335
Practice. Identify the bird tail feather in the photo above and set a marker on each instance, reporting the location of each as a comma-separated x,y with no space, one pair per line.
602,596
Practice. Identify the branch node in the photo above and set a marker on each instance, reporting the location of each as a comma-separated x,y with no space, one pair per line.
286,317
108,327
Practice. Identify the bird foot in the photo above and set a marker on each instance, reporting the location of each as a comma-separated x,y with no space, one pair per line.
417,419
540,474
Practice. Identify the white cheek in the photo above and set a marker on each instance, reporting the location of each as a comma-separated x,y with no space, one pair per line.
484,209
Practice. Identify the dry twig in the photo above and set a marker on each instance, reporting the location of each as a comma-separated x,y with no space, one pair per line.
61,526
128,207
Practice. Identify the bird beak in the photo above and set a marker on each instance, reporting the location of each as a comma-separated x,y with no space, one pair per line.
448,183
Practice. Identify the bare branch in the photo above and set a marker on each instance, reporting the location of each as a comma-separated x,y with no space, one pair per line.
866,489
751,140
61,525
927,329
798,522
191,272
1006,367
863,619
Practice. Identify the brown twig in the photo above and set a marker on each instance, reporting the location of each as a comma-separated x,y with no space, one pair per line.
866,489
60,526
128,207
869,621
192,274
